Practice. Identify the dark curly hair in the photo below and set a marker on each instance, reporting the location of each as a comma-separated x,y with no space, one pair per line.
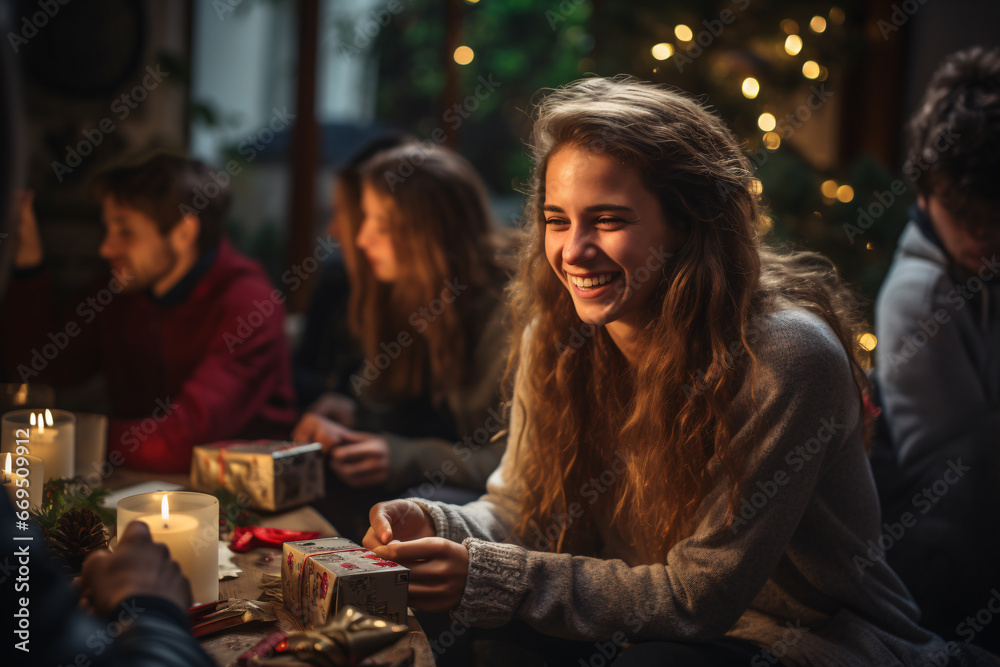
955,135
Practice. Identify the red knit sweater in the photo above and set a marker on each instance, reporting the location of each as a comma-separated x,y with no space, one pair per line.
213,366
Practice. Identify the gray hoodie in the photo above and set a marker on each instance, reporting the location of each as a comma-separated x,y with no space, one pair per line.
938,353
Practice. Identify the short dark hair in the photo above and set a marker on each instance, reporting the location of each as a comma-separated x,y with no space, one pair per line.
166,187
955,134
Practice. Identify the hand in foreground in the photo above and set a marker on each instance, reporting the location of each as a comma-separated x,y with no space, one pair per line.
138,566
337,407
438,568
402,520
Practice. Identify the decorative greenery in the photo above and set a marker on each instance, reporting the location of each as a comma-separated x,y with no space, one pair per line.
62,495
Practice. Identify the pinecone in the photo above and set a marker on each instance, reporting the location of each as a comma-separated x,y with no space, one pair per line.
76,534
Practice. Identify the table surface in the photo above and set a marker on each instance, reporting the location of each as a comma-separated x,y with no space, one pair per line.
224,647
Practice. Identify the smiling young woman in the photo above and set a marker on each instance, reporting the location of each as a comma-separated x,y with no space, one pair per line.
671,372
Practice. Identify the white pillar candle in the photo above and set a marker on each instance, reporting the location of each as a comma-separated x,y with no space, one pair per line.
48,435
188,523
23,478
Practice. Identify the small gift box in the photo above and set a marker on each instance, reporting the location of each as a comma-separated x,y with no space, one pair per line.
273,475
318,577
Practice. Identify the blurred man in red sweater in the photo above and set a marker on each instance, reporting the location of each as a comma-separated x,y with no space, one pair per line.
188,333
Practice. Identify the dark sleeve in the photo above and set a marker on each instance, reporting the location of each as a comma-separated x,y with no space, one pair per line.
46,626
479,417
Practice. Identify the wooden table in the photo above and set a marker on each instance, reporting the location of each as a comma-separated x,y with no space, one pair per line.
224,647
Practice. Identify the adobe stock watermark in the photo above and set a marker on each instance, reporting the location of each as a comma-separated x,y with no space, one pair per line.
249,148
707,37
796,460
294,277
913,169
60,339
493,425
591,490
121,107
773,654
31,25
420,319
455,116
368,28
958,297
924,501
562,12
901,13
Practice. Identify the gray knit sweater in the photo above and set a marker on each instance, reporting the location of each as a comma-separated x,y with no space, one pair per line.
785,576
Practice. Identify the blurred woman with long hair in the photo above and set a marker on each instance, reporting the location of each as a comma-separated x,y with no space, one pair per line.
426,309
686,471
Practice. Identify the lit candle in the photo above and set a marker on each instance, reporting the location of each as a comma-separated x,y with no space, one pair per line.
27,473
191,534
52,440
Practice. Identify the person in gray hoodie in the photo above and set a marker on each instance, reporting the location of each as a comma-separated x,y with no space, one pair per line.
685,480
937,320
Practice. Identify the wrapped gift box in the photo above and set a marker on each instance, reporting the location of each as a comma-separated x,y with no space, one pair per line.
318,577
274,475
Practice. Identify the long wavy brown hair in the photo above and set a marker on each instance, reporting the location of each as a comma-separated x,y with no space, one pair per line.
442,233
582,401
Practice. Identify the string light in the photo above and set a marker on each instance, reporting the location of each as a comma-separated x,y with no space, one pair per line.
867,341
766,122
662,51
793,44
810,69
771,140
750,87
464,55
829,189
683,33
845,193
817,24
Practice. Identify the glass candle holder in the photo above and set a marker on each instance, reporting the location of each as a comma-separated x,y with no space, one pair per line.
22,472
188,523
91,447
48,434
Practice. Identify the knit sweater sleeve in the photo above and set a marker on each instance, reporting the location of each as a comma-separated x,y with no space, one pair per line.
804,394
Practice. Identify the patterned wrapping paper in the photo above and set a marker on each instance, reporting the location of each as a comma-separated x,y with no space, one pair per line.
274,475
317,583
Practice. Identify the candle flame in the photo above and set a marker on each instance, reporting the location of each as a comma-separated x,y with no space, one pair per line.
165,509
6,469
33,419
41,423
48,417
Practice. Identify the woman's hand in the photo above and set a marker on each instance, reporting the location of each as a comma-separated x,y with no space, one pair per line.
313,428
358,459
361,462
438,568
337,407
402,520
138,566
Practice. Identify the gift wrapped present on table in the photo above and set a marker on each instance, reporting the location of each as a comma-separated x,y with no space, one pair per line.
318,577
273,475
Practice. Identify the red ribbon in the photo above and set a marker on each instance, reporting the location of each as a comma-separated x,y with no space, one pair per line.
247,538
